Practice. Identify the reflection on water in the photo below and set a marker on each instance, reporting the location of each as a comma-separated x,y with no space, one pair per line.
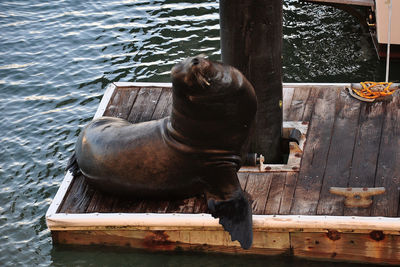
128,257
57,57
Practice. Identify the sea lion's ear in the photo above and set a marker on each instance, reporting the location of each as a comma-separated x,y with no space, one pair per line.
227,201
235,215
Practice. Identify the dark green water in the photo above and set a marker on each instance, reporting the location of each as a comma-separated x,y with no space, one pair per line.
56,59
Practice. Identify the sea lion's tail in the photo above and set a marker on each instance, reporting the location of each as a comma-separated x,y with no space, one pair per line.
235,215
73,166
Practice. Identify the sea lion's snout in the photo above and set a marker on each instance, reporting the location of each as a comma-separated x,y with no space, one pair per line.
195,61
185,66
196,64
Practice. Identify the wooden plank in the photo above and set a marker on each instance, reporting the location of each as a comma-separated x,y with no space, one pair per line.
243,177
101,203
121,102
198,204
164,104
128,206
287,97
145,104
340,154
388,168
310,103
258,185
190,204
374,247
182,205
78,197
366,150
367,3
189,240
286,223
298,104
288,192
275,193
302,104
155,206
315,154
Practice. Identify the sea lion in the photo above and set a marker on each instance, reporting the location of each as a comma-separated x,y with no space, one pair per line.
198,149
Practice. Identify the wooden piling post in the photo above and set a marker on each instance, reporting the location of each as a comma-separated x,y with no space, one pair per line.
251,41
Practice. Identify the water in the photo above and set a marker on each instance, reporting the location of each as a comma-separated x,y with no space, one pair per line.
57,57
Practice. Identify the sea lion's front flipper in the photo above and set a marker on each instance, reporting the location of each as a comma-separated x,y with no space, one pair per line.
227,201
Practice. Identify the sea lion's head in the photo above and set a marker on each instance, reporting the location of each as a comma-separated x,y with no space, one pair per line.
201,79
211,101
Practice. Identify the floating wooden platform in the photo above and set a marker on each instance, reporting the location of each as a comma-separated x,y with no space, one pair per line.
349,144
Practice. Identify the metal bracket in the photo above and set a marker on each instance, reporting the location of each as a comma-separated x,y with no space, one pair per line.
293,163
294,131
357,197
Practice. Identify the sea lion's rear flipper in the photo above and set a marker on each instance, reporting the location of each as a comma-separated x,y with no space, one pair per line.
72,166
227,201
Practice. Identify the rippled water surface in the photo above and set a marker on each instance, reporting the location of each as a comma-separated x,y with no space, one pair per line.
56,58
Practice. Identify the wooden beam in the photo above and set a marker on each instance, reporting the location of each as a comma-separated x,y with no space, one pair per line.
251,41
375,247
368,3
181,221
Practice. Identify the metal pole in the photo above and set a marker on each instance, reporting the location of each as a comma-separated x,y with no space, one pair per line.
388,45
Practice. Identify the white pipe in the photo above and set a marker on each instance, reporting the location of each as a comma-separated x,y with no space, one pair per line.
388,45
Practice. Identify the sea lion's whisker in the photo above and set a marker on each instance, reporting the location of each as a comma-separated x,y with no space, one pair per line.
205,81
202,79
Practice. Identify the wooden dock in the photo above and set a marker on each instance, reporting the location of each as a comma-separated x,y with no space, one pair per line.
349,144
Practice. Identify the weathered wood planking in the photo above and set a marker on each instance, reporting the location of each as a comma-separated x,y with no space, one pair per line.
311,173
257,186
177,240
298,109
145,104
349,143
366,151
288,193
375,247
297,106
121,102
388,167
78,196
338,123
340,154
276,188
287,98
